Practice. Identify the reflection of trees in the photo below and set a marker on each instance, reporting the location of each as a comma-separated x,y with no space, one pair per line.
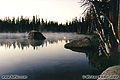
99,60
25,43
20,43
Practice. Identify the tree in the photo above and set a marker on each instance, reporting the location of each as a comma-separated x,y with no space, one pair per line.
119,19
101,13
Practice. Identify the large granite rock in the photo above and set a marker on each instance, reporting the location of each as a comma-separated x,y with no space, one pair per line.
35,35
111,73
79,43
83,43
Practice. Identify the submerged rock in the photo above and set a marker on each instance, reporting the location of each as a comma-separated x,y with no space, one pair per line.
111,73
35,35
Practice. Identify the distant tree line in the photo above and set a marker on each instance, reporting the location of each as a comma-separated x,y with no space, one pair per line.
25,25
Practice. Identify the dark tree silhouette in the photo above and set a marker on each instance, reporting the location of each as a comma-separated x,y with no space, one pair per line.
25,25
104,18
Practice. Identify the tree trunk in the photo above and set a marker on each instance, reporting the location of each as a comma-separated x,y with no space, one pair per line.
113,13
113,16
119,21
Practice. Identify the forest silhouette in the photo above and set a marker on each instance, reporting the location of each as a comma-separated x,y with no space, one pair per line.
25,25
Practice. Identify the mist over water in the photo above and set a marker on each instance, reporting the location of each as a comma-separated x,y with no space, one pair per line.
13,35
48,35
21,39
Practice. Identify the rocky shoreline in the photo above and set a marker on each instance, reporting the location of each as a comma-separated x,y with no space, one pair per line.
92,43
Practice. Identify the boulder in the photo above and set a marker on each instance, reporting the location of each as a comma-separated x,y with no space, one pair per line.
79,43
35,35
111,72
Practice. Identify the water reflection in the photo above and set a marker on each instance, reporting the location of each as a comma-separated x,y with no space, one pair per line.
49,59
99,60
35,43
96,57
26,43
20,39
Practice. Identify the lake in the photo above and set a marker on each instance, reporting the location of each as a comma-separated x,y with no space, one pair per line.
43,60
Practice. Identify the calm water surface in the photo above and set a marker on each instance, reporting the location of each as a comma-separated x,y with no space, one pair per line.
42,60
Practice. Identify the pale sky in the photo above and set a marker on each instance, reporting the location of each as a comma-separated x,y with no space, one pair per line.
52,10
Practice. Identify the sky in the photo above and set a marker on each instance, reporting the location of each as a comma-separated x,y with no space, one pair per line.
52,10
